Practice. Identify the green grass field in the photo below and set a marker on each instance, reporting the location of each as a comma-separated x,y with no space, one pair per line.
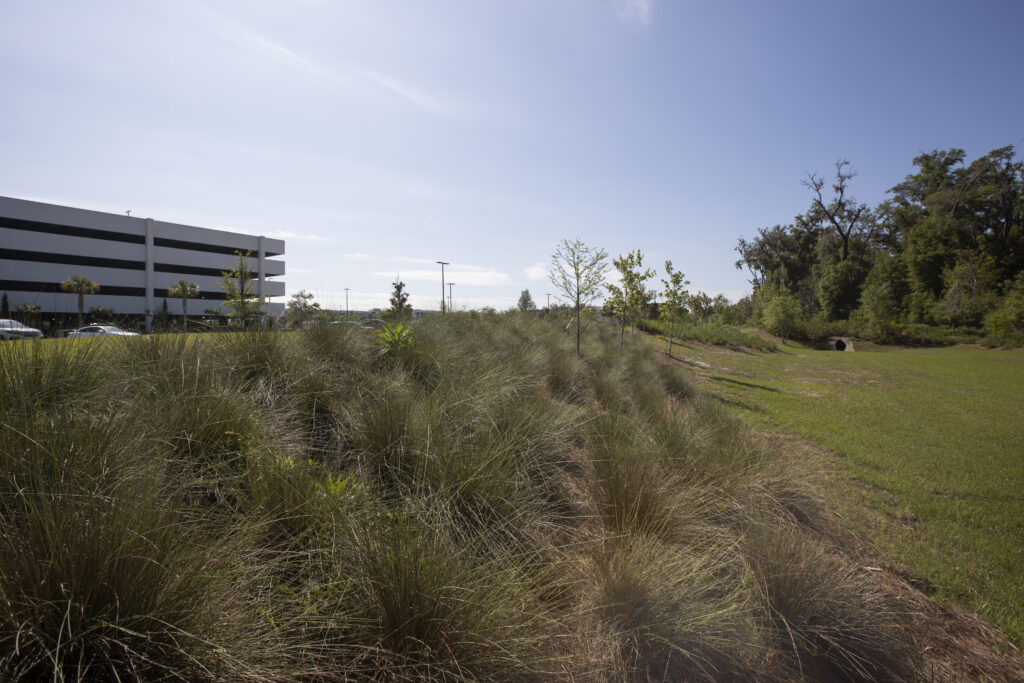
925,453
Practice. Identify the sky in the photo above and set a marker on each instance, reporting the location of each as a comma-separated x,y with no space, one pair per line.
378,137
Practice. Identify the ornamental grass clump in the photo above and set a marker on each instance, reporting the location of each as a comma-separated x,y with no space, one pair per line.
478,503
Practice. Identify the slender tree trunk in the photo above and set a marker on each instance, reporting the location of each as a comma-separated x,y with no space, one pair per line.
622,333
671,334
577,322
81,307
184,314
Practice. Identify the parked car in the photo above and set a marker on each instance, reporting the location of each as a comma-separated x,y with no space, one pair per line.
101,331
365,324
12,329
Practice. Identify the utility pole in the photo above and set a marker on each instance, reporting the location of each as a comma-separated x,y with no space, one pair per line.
346,302
443,264
450,307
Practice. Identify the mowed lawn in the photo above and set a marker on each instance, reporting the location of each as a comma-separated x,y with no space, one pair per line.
925,453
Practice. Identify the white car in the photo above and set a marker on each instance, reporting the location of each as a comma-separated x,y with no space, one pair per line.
102,331
12,329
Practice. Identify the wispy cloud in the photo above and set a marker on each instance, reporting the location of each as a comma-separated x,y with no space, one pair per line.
274,50
413,259
537,272
282,53
469,276
638,12
300,236
401,89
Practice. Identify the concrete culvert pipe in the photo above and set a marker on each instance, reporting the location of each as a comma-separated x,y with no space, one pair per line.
840,344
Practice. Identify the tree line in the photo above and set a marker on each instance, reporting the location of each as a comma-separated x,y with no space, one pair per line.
945,248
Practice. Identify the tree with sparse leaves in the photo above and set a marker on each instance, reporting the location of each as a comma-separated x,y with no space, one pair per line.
526,301
238,287
578,273
184,290
628,300
676,298
81,286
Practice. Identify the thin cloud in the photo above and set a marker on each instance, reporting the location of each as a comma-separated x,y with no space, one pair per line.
282,53
476,277
277,51
537,272
399,88
638,12
413,259
300,236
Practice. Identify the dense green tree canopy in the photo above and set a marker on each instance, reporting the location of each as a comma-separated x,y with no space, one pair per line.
944,248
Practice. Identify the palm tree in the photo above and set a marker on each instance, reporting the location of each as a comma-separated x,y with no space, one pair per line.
183,290
81,286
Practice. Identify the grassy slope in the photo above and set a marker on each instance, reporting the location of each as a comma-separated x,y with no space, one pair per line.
930,446
480,506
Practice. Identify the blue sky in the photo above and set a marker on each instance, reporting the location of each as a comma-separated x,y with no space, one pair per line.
377,137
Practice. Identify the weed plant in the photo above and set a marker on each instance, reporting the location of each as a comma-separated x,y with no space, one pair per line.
473,502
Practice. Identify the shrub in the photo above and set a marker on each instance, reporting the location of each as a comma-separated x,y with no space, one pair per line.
1005,325
782,316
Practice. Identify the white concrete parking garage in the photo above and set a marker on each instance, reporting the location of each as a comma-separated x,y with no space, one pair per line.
133,260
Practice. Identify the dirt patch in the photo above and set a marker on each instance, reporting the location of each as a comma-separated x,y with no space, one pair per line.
956,646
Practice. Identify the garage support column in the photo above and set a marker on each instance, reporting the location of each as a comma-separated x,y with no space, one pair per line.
150,299
262,275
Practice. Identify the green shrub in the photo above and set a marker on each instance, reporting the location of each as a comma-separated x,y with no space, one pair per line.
783,317
1005,325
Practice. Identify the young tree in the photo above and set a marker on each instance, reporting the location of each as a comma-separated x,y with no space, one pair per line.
5,307
237,284
400,308
673,308
578,272
632,297
184,290
633,279
81,286
162,319
526,301
302,308
618,307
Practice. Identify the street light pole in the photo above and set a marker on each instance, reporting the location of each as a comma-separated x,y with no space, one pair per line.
346,302
450,307
443,264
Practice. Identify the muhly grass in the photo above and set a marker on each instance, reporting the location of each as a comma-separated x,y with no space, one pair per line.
482,505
